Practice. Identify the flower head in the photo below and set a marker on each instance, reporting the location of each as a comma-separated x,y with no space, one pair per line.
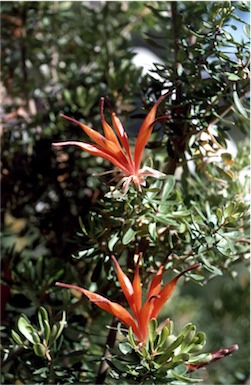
114,145
141,313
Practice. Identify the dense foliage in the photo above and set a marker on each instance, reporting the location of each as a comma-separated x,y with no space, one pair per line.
62,223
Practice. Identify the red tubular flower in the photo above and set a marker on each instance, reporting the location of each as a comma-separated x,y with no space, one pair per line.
141,314
114,145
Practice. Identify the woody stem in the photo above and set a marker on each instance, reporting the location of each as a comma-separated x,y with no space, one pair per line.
111,338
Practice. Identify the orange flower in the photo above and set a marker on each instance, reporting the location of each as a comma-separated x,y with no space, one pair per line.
114,145
140,314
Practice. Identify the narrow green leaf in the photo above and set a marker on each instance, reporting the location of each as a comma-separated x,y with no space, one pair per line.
162,337
188,380
238,103
54,331
62,324
83,228
47,331
152,334
16,337
162,219
42,315
131,337
152,230
179,214
168,187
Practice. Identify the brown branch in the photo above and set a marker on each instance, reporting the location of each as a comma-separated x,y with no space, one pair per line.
176,29
111,338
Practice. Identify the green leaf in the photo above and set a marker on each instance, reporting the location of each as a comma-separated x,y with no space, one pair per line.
152,334
47,331
213,269
68,96
182,378
238,103
62,324
152,230
16,337
128,236
42,316
26,329
162,337
36,337
112,241
125,347
54,331
196,348
168,187
232,77
172,343
39,349
246,29
131,337
179,214
83,228
162,219
188,332
201,358
182,228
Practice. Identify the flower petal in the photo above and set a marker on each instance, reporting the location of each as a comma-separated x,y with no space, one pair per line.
97,151
156,283
126,285
104,142
109,133
166,292
111,136
111,307
118,126
137,289
145,132
145,316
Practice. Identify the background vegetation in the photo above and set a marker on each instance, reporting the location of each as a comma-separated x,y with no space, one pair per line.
61,57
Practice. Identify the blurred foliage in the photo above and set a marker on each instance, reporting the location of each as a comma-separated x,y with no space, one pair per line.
59,222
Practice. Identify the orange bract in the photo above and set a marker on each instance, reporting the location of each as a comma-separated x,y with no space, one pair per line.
141,314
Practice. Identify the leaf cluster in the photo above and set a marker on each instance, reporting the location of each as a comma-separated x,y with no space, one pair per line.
164,225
